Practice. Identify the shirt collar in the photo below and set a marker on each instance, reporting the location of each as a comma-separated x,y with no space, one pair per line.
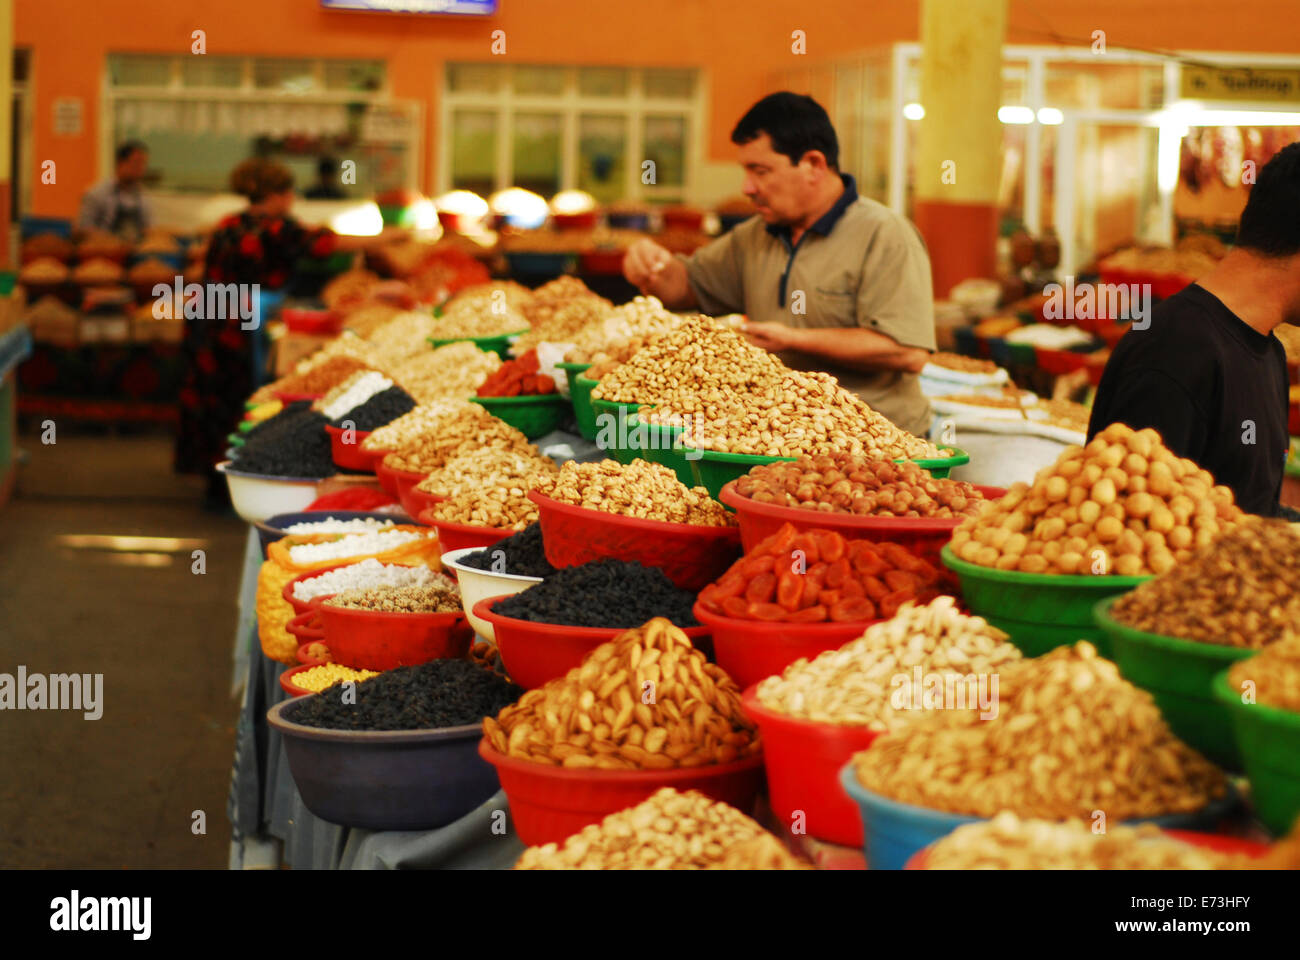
826,222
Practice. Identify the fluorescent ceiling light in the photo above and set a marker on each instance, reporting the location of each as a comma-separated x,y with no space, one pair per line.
1015,114
913,111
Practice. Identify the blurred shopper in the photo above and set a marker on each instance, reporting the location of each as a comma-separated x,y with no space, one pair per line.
1208,372
829,280
326,187
261,245
117,205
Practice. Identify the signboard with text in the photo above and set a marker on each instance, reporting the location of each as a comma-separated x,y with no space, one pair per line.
471,8
1240,83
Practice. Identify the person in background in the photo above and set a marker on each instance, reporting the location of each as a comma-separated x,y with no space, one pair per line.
327,182
1208,373
118,206
829,280
260,245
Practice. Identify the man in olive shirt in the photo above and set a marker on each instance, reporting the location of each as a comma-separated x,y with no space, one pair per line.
829,280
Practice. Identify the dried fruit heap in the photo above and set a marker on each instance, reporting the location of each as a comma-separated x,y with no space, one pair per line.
818,576
517,378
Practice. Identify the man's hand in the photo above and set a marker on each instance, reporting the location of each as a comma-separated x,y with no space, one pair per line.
657,273
771,336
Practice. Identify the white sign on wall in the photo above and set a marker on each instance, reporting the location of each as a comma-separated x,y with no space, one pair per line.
68,114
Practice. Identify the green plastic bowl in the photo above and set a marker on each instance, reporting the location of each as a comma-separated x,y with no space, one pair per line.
1040,611
234,439
1180,675
580,394
714,470
940,467
662,444
500,345
1268,740
620,443
532,416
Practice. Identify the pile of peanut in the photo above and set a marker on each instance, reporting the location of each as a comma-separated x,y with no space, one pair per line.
742,399
646,700
639,319
487,467
425,419
453,371
550,298
503,506
855,685
564,322
434,449
1275,674
364,321
851,483
415,599
1009,843
648,491
405,335
1241,590
964,364
1070,737
668,831
1123,505
487,310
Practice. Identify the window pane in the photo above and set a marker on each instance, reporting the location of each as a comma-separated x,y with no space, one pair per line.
602,156
1120,86
294,76
474,77
665,144
602,81
539,81
211,71
140,71
537,152
670,84
359,75
473,150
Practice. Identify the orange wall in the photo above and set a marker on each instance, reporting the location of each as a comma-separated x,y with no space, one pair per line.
738,42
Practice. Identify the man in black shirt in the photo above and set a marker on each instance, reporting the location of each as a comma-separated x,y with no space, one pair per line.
1207,373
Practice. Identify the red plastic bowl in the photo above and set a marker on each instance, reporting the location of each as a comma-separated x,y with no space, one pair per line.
288,398
314,322
299,607
305,657
403,482
375,458
534,653
550,804
457,536
1210,841
387,477
753,650
370,640
306,627
349,455
692,556
415,501
803,760
922,536
287,684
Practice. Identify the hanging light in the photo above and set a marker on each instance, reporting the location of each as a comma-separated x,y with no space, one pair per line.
1015,114
913,111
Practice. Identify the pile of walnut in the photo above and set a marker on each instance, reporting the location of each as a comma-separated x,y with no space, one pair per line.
1123,505
1241,590
648,491
851,483
669,831
1070,736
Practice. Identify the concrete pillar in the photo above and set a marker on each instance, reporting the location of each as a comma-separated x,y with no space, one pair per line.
959,149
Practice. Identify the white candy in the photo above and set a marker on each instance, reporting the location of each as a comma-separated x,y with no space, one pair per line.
330,525
363,576
366,387
351,546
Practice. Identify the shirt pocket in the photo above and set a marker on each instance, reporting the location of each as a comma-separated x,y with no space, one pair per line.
833,304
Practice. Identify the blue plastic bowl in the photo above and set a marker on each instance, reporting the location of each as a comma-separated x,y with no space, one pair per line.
892,832
272,528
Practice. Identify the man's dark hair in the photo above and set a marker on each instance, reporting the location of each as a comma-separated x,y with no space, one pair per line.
1270,224
795,123
124,150
326,167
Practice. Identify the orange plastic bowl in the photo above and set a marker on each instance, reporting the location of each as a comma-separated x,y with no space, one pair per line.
349,455
286,680
1210,841
549,804
692,556
371,640
922,536
457,536
803,759
753,650
306,656
534,653
307,626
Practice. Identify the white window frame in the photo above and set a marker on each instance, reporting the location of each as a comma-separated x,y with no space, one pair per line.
247,92
570,104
